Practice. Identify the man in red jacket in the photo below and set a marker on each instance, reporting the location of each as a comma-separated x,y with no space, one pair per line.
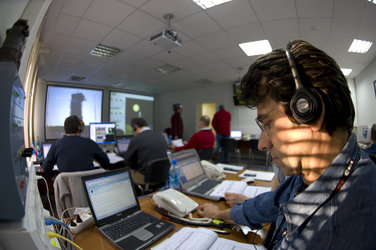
202,139
221,124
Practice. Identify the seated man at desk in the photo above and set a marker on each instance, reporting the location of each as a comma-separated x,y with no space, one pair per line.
74,153
144,147
200,140
306,115
372,148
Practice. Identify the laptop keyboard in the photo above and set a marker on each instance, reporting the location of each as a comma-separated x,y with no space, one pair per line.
205,186
128,225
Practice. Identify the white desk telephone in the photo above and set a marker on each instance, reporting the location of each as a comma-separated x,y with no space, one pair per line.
175,202
213,171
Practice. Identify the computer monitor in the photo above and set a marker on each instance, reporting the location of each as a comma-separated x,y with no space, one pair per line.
237,134
103,132
123,144
363,134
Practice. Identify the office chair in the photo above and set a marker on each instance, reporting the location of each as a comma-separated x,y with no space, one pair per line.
373,157
157,172
254,151
205,154
230,145
69,191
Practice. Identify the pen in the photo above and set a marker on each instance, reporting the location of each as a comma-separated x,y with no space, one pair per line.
252,175
230,169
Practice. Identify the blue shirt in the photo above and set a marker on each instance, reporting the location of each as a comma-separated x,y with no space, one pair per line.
74,153
346,221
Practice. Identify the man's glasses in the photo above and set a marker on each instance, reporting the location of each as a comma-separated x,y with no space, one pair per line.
259,120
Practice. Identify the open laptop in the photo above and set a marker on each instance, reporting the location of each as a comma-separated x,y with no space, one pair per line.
114,206
123,144
193,179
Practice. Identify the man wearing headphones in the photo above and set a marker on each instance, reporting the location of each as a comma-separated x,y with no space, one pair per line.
305,113
74,153
144,147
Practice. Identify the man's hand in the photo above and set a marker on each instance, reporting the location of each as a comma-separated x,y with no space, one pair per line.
208,210
233,198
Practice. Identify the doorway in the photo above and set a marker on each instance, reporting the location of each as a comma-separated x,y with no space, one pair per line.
208,108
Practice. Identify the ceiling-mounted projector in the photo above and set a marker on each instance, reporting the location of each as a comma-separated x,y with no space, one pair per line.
167,38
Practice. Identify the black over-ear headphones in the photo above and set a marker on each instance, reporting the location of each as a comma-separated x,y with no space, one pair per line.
305,105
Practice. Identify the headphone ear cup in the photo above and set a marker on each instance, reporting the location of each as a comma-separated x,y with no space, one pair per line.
305,106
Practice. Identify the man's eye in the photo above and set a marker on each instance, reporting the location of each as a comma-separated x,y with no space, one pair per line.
267,125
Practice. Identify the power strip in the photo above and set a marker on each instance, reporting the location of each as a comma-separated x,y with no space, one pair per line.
86,217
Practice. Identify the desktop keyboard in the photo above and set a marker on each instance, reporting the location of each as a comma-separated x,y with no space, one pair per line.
206,186
128,225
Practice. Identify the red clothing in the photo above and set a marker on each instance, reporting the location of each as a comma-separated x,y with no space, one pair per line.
221,122
202,139
177,126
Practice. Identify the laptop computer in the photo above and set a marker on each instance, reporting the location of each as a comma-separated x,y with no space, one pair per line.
114,206
193,179
123,144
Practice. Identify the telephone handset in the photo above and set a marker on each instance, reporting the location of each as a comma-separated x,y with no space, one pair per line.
213,171
175,202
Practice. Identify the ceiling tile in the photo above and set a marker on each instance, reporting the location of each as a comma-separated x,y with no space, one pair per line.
215,40
91,31
267,10
66,24
120,39
109,12
75,7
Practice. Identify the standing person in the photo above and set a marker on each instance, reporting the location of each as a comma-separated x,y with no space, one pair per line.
144,147
221,124
177,126
74,153
202,139
306,115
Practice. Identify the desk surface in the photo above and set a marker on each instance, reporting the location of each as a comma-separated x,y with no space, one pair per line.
93,239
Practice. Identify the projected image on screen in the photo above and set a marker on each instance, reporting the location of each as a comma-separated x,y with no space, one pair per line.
62,102
124,107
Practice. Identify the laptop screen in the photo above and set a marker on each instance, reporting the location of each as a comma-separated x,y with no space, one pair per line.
123,144
110,193
189,163
45,148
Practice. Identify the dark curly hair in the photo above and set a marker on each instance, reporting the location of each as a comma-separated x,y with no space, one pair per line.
270,76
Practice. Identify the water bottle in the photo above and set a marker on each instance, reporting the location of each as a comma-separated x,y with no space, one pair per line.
174,175
39,155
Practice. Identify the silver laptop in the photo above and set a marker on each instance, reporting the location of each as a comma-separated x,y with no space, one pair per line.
116,211
193,179
123,144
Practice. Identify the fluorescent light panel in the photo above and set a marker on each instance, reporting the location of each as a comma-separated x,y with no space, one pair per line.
360,46
346,72
372,1
206,4
105,51
167,69
256,48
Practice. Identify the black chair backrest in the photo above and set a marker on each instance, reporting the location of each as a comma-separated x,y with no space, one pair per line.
157,171
373,157
229,145
205,153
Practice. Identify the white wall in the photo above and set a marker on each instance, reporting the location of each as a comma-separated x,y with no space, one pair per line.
365,95
242,117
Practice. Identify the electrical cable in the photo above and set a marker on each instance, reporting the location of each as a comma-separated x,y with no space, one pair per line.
48,194
55,235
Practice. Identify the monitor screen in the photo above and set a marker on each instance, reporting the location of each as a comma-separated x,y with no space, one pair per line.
103,133
62,102
124,107
45,148
236,134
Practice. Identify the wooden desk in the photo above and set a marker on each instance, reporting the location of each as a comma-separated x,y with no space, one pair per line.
93,239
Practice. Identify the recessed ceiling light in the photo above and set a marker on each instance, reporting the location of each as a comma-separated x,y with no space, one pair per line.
360,46
205,4
77,78
105,51
256,48
167,69
346,72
